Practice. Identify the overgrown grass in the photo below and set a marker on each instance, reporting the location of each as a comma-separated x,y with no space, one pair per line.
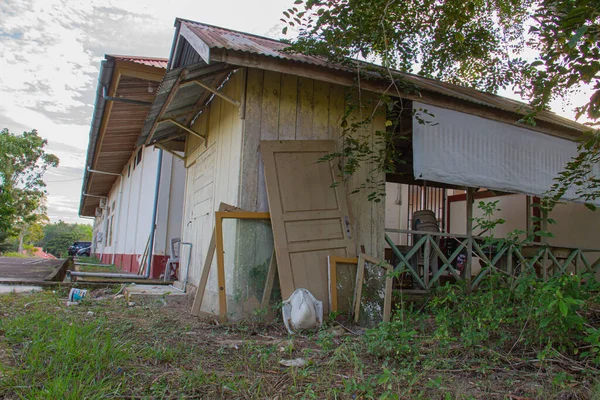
90,259
493,344
529,326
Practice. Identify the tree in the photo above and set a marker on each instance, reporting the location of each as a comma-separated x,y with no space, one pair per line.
60,235
23,162
544,49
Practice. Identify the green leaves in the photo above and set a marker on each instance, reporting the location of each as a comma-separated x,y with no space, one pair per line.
577,36
23,162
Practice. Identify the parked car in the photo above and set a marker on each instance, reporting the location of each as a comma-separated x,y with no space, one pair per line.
85,252
76,246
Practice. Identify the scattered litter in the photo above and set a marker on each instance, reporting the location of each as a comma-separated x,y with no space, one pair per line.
90,313
72,303
296,362
302,311
131,304
77,294
286,346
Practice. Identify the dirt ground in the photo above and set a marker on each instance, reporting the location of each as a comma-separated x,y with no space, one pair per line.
104,348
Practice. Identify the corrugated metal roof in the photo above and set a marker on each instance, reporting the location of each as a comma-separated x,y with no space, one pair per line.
149,61
228,39
217,37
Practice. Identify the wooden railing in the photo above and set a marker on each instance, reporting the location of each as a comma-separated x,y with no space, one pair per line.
426,262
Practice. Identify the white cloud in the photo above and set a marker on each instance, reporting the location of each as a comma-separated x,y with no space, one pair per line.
51,52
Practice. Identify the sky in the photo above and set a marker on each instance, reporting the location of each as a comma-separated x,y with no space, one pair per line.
50,54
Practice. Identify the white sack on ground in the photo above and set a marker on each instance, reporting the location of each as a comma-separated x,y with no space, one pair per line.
302,311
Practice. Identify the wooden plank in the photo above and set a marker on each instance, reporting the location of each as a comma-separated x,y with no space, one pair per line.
221,267
304,121
204,276
296,185
251,141
217,92
185,128
468,267
243,215
207,264
226,182
360,274
377,237
332,277
135,70
336,111
269,281
270,105
219,217
320,120
360,277
165,106
287,107
201,48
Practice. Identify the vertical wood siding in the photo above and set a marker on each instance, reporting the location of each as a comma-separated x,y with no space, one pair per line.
286,107
213,170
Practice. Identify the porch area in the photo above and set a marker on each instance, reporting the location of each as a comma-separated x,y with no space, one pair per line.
437,258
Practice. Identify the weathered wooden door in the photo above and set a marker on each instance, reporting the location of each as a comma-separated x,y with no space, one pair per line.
309,217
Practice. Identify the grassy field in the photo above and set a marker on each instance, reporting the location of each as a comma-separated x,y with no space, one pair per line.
104,349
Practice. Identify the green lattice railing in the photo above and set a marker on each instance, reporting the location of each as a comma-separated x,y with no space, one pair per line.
426,262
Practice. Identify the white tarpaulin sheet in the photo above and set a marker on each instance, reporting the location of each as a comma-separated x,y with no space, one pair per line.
467,150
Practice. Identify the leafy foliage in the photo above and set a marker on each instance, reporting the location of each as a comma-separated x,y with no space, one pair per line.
455,41
23,162
545,49
531,316
60,235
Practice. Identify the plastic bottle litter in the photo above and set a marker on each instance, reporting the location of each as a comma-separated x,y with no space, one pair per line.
77,294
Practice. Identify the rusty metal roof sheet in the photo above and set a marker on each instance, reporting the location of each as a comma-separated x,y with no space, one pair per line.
149,61
217,37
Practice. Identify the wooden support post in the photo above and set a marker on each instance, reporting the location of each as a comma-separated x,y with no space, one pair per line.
545,242
426,261
269,282
509,260
468,267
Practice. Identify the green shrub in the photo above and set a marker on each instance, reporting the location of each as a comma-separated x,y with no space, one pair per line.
14,254
503,315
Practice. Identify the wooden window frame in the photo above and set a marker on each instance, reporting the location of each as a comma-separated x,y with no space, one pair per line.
219,217
360,275
332,262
